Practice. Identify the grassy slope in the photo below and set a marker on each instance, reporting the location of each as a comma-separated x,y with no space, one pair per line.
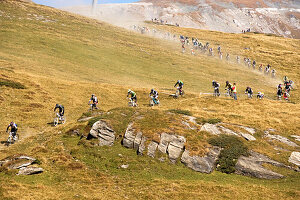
68,60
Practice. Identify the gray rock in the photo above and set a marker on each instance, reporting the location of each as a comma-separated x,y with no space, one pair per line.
248,129
252,166
295,158
204,164
124,166
227,131
247,136
152,148
137,140
175,148
142,147
211,128
103,132
165,139
281,139
30,170
129,136
17,162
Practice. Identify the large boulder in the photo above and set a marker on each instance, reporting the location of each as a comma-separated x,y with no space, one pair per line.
129,137
204,164
104,133
252,166
295,158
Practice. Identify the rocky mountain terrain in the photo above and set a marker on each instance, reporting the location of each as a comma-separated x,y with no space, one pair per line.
280,17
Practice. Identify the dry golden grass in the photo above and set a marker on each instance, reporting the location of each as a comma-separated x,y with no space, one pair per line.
66,64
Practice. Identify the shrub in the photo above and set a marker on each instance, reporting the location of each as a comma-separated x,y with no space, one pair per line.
232,149
182,112
11,84
210,121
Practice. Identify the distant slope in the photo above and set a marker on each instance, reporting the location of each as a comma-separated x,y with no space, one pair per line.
279,17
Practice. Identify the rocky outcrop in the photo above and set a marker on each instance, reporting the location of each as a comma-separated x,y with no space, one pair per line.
204,164
152,149
280,139
297,138
247,136
295,158
103,132
134,140
30,170
23,163
211,128
252,166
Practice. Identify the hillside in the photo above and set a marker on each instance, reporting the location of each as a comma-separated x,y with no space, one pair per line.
280,17
48,56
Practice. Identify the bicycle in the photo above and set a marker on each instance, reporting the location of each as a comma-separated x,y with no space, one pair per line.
178,92
216,92
93,106
12,138
132,103
153,101
58,119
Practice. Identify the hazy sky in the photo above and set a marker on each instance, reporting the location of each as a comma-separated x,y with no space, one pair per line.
65,3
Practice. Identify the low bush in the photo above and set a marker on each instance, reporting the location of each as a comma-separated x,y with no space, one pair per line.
11,84
182,112
232,149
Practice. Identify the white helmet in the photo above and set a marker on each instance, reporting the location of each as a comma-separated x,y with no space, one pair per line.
129,90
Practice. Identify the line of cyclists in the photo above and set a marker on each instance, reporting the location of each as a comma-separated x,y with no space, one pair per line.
231,90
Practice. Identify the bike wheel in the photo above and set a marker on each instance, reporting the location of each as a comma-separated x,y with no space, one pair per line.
64,120
55,122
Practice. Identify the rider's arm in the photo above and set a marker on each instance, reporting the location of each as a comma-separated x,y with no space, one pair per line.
7,128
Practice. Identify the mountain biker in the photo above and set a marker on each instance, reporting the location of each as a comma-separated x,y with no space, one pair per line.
61,110
94,100
13,129
216,87
286,96
279,92
249,91
133,95
180,86
228,87
287,87
234,91
260,95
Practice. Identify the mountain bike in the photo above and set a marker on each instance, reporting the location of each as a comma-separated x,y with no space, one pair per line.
216,92
12,138
132,103
59,119
178,92
153,101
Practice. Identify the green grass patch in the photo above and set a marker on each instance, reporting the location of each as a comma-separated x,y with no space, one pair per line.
233,148
182,112
201,120
11,84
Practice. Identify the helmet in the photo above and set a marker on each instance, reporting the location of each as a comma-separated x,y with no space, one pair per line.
11,123
213,81
56,105
93,95
227,82
152,90
129,90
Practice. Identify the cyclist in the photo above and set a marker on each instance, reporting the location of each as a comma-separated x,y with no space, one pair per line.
216,87
94,101
13,130
133,95
279,92
180,86
249,91
61,110
260,95
228,87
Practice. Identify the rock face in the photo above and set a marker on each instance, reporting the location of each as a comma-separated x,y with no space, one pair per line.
134,140
103,132
152,149
247,136
22,163
204,164
280,139
252,166
297,138
295,158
